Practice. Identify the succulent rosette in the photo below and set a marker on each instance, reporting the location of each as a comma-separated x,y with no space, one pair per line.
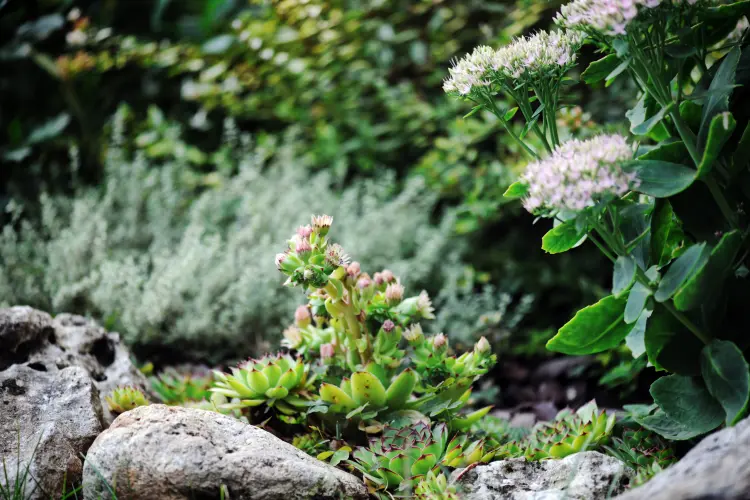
126,398
278,381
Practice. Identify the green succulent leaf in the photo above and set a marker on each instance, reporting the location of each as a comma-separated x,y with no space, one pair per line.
719,91
516,190
600,69
727,377
704,284
593,329
687,401
367,388
332,394
660,179
671,151
667,236
681,270
400,390
623,276
719,132
562,237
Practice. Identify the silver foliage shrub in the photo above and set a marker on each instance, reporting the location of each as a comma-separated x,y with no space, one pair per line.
170,262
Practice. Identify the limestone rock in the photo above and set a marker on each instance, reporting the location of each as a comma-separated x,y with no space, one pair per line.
53,417
35,339
717,468
175,453
584,476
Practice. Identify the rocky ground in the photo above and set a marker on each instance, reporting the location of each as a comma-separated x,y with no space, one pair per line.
53,421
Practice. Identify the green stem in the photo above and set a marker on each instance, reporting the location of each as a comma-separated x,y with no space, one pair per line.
496,112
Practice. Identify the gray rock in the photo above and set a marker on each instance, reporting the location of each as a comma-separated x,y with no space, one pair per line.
584,476
718,468
21,330
174,453
47,419
37,340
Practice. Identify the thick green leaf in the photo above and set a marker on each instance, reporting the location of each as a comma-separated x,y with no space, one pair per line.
516,190
705,283
473,111
687,401
691,112
730,11
719,102
667,237
598,70
722,126
636,339
635,228
660,179
617,72
636,302
672,151
562,238
670,346
645,127
661,424
623,276
681,270
638,114
593,329
510,113
727,377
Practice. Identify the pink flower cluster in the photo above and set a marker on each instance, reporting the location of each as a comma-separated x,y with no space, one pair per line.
610,17
579,173
537,56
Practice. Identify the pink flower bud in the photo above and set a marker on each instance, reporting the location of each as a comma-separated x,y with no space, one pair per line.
414,334
279,259
482,346
302,317
302,247
321,224
293,337
353,270
388,276
327,351
388,326
363,283
439,341
394,294
304,232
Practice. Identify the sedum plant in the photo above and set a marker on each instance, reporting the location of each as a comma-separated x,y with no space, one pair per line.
126,398
664,203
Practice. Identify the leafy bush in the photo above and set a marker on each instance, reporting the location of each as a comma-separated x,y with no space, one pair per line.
669,213
174,257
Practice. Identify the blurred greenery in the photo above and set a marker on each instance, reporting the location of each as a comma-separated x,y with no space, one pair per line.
357,83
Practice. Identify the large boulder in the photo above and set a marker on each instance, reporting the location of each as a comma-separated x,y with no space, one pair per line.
48,420
175,453
583,476
35,339
718,468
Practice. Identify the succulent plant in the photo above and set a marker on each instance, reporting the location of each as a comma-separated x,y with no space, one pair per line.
174,387
124,399
311,443
277,381
435,487
402,457
399,458
643,451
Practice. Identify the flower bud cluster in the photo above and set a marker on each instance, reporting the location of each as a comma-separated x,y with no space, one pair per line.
544,55
609,17
578,174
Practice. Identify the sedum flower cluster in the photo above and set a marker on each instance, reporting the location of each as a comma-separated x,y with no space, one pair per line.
610,17
578,174
542,55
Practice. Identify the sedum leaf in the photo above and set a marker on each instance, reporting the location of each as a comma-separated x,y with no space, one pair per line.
599,70
660,179
687,401
720,130
727,377
593,329
562,238
681,270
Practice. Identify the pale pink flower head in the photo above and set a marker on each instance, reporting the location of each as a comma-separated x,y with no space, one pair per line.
302,317
609,17
327,351
388,326
439,341
394,293
322,223
335,256
353,269
482,346
578,174
302,247
304,232
363,282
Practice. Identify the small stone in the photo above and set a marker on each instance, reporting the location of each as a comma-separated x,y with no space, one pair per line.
583,476
49,419
717,468
174,453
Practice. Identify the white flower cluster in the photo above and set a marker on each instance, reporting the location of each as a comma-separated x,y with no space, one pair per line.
610,17
544,54
579,173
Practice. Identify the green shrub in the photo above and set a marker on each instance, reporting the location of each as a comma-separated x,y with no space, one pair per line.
171,256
